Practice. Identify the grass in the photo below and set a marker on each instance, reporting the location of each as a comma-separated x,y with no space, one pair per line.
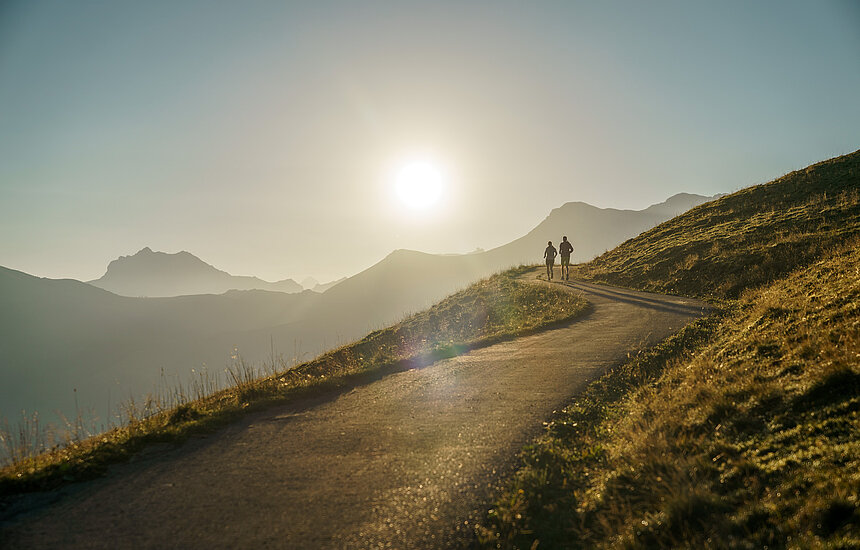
540,502
740,431
489,311
744,240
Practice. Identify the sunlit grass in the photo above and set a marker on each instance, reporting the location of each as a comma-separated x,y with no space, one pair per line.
739,432
491,310
744,240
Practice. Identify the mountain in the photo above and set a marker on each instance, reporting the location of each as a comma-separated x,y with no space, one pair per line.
157,274
403,282
407,280
591,230
61,335
308,283
322,287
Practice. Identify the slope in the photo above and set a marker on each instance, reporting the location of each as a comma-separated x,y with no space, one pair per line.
63,335
742,240
741,431
407,280
404,460
490,310
114,347
592,230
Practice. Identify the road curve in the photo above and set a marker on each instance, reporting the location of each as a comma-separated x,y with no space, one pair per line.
406,461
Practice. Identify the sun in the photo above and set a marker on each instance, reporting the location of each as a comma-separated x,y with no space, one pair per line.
419,185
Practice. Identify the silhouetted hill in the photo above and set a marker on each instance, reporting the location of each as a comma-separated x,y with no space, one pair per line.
322,287
157,274
591,230
58,335
407,281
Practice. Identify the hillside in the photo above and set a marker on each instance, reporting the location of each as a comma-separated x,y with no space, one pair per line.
592,230
64,335
158,274
742,240
486,312
407,280
741,432
322,287
61,335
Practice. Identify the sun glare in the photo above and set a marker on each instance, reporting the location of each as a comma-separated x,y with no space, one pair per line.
419,185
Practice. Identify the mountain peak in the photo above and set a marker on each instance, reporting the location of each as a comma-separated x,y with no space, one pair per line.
146,252
406,253
571,207
158,274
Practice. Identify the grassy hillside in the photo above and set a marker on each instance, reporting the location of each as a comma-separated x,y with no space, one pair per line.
746,239
493,309
741,431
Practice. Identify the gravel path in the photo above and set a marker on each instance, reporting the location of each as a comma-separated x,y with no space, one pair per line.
408,461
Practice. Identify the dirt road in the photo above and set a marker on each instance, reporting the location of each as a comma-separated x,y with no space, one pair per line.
407,461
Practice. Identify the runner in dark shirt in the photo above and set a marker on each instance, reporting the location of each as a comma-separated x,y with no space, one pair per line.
565,249
549,254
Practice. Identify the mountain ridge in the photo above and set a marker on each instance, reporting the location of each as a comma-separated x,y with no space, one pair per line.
593,230
161,274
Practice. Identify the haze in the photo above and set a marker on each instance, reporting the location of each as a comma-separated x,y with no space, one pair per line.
263,136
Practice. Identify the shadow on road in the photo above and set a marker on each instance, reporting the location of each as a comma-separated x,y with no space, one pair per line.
636,298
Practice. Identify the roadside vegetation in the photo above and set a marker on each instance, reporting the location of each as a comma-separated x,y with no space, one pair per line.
741,430
494,309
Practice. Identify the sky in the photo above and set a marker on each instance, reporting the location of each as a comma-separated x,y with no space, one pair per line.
266,137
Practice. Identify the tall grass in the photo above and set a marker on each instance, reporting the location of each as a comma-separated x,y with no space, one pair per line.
24,439
29,436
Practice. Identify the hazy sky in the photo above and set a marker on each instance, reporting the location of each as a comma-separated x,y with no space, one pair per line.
262,136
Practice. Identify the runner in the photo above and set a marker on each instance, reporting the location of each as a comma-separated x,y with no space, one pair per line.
565,249
549,254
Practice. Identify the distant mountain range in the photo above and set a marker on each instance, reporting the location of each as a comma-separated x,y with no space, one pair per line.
592,231
157,274
322,287
408,281
60,335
